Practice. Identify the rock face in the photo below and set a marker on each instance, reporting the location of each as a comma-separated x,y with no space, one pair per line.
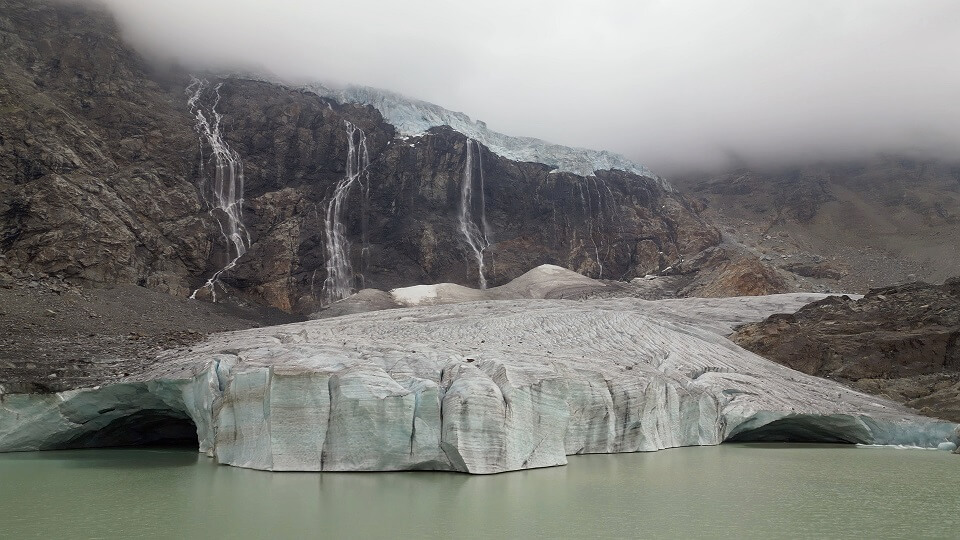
93,180
847,226
101,181
730,271
479,387
902,342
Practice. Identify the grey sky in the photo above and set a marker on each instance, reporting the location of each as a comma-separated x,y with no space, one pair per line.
672,84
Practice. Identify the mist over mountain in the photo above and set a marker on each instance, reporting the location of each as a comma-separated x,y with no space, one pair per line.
676,86
234,228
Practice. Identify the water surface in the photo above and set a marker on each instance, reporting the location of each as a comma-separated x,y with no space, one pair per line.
730,491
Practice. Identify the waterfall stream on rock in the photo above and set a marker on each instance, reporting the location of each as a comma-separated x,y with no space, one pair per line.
604,220
340,277
225,195
476,235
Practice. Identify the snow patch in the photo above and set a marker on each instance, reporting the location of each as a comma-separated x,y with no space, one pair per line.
552,269
413,296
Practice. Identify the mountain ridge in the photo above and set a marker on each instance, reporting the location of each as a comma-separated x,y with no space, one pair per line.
101,182
842,225
414,117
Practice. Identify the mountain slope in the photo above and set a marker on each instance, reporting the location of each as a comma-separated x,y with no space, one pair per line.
843,226
902,342
104,179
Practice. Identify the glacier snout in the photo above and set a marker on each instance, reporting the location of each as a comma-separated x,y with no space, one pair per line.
480,387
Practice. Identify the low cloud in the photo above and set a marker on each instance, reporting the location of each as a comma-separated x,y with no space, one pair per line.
676,85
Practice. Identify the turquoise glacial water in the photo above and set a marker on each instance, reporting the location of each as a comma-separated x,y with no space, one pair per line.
729,491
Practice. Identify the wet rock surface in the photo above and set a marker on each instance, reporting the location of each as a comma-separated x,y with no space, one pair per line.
902,342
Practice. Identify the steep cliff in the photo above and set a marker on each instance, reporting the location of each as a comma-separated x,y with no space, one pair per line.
107,176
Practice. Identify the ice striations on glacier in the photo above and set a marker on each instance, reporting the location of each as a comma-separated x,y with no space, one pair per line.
479,387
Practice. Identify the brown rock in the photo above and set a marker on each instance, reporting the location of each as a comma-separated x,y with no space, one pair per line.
742,276
901,341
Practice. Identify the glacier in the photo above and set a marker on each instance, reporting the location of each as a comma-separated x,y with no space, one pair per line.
413,117
477,386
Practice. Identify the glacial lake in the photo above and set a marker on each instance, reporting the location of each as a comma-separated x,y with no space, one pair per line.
729,491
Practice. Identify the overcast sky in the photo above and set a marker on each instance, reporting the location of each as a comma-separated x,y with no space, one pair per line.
671,84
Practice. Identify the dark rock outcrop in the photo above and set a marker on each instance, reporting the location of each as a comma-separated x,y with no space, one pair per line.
902,342
93,181
99,169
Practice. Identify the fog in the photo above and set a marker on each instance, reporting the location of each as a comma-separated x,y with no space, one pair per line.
676,85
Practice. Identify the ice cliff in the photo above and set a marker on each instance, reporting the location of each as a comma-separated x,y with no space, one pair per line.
412,117
478,387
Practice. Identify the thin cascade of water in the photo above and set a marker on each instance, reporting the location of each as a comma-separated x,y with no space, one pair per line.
612,203
487,236
483,201
609,216
364,222
340,277
587,202
614,216
476,236
225,195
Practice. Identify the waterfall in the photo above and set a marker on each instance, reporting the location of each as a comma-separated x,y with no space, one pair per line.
603,219
477,236
487,237
225,194
609,217
340,278
586,203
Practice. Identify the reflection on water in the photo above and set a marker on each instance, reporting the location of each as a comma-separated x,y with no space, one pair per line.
727,491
